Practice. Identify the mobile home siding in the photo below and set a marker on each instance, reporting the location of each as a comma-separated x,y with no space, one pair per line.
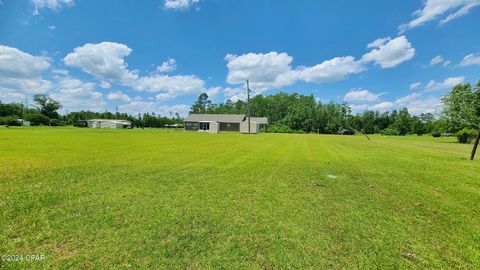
254,127
230,127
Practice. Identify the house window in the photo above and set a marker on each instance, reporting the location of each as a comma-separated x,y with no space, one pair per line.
204,126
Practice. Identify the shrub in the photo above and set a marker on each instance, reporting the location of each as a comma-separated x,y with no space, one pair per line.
56,123
9,121
390,132
436,134
38,119
280,128
466,135
80,123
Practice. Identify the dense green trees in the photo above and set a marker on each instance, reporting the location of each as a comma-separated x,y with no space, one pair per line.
300,113
462,107
151,120
44,113
9,121
11,109
37,119
286,113
47,105
201,105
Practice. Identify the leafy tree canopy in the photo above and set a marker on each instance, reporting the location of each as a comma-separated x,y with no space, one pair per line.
47,106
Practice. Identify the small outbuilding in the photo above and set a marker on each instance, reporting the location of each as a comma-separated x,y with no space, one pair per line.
215,123
109,123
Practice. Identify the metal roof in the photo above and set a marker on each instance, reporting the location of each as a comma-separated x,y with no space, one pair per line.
259,120
220,118
119,121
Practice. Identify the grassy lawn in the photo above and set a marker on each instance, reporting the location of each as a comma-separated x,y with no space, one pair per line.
105,199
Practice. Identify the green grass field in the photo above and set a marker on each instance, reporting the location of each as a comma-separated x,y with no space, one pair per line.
113,199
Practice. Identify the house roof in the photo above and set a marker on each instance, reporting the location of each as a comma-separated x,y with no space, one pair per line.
220,118
119,121
260,120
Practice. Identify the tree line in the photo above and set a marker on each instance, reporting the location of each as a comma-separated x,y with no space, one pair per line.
45,112
286,113
302,113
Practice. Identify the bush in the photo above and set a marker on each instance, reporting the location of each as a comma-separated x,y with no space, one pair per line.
390,132
56,123
38,119
436,134
280,128
80,123
9,121
466,135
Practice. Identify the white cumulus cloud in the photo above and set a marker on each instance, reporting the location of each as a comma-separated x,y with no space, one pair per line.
213,91
416,104
103,60
179,4
389,53
75,94
171,110
437,60
469,60
106,62
171,86
237,93
425,105
50,4
378,42
105,85
360,95
332,70
274,70
415,85
119,95
382,106
169,65
443,10
446,84
21,74
407,99
266,71
139,106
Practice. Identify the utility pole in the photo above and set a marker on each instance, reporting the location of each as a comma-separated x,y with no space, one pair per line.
116,112
25,111
248,106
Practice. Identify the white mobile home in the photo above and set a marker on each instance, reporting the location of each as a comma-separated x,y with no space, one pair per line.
109,123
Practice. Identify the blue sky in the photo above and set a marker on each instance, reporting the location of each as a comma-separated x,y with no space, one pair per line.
159,55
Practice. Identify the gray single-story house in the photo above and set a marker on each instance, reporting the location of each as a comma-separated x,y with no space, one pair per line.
109,123
215,123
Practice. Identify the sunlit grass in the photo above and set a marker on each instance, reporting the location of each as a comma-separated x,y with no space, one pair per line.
107,199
